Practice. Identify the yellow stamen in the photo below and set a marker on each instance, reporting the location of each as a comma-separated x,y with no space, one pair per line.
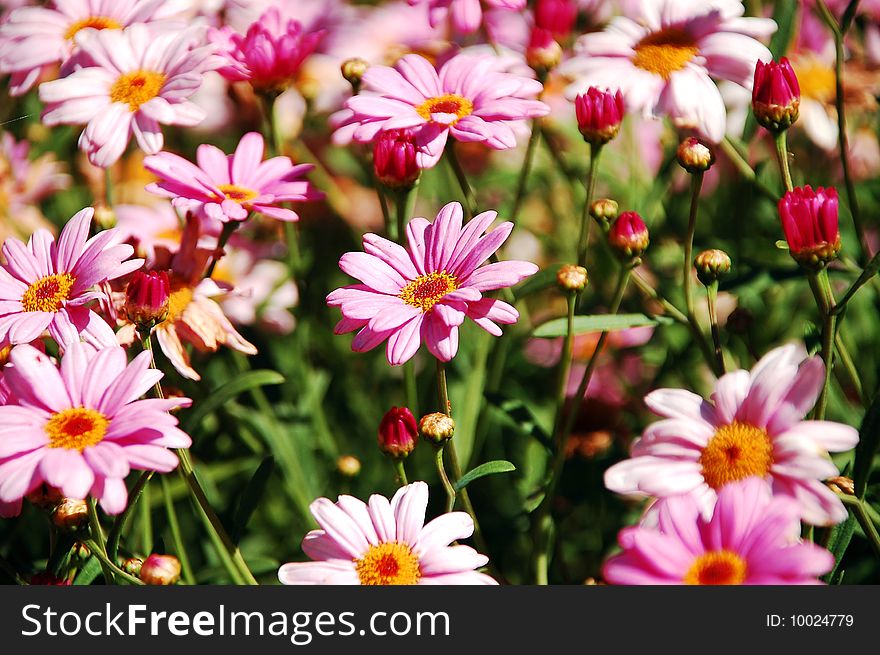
96,22
388,563
76,428
48,294
137,87
735,452
178,301
816,80
720,567
665,52
426,290
239,194
451,103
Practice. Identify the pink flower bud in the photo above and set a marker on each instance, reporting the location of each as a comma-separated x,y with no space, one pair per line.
599,114
398,432
543,53
160,570
809,221
776,95
556,16
146,298
394,159
628,236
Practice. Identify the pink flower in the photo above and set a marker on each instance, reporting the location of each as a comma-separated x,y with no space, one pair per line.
467,98
35,37
664,56
752,427
229,187
629,236
154,231
82,428
557,16
599,114
386,543
751,539
269,55
809,221
395,159
139,80
398,432
47,284
776,94
423,293
466,15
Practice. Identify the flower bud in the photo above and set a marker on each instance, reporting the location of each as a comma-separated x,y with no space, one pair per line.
604,210
160,570
776,95
70,514
628,236
543,53
809,221
105,217
599,114
841,485
394,159
571,277
556,16
146,298
694,156
348,466
48,579
398,432
133,565
712,265
437,427
45,497
353,70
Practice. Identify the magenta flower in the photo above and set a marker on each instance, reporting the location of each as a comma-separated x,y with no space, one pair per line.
395,159
398,432
423,293
228,187
556,16
139,81
386,543
269,55
467,99
466,16
752,538
82,428
599,114
753,427
48,285
809,221
776,94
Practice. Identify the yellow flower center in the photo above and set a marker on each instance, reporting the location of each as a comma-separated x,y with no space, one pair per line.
816,80
97,22
735,452
720,567
178,301
237,193
451,103
389,563
48,294
665,52
426,290
76,428
137,87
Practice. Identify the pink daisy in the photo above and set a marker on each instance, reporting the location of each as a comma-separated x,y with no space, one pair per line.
386,543
467,98
752,538
665,55
47,284
35,37
466,16
81,428
229,187
423,293
753,426
139,80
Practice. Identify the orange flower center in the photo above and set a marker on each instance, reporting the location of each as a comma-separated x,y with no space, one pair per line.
426,290
137,87
816,80
720,567
735,452
237,193
665,52
388,563
178,301
451,103
97,22
76,428
48,294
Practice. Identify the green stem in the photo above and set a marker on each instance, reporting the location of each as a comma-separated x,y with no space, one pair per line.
821,289
653,294
711,297
108,188
866,276
782,155
108,566
226,232
858,508
745,169
100,546
174,525
386,213
119,524
444,478
590,186
564,367
470,201
849,366
400,472
522,183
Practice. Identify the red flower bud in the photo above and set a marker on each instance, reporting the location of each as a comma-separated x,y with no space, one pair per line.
599,114
809,221
776,95
160,570
146,298
394,159
398,432
556,16
628,236
543,53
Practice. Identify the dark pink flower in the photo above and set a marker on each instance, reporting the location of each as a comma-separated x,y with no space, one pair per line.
809,220
776,94
599,114
394,159
398,432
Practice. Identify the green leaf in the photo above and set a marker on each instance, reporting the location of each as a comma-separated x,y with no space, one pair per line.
223,394
869,441
597,323
841,535
250,499
489,468
543,279
88,573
